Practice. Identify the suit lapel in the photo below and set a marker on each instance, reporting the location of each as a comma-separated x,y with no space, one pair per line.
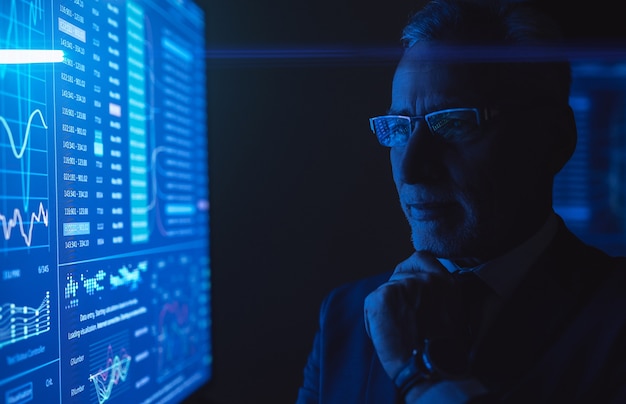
537,313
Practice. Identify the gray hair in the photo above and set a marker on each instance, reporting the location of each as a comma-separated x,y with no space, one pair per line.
494,26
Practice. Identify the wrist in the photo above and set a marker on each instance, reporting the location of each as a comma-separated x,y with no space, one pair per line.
435,360
414,374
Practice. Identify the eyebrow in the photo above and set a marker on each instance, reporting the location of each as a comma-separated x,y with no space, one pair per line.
447,104
402,112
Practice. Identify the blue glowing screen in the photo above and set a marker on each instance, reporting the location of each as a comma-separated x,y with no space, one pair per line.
590,191
104,205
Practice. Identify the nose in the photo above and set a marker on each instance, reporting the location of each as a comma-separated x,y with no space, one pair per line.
420,161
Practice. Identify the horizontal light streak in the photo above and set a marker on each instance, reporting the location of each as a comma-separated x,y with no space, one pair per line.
27,56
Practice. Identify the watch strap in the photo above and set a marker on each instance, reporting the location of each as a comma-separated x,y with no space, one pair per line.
412,374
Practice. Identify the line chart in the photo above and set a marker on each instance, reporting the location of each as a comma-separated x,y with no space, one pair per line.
22,149
20,153
114,373
24,144
19,150
110,369
16,221
22,322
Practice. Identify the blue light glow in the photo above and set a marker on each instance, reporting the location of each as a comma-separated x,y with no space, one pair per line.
27,56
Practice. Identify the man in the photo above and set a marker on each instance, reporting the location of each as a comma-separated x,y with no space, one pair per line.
474,149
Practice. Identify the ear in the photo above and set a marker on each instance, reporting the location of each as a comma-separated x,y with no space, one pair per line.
565,138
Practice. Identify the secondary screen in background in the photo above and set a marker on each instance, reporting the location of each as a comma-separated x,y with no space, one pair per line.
590,191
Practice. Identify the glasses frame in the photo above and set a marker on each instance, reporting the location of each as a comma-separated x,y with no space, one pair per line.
482,115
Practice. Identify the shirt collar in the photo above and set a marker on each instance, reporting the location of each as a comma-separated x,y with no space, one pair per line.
504,274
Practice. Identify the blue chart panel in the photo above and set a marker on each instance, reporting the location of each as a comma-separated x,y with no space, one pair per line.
24,131
29,347
152,309
19,323
104,212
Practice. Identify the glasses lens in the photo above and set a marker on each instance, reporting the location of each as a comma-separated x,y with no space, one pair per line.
454,124
392,131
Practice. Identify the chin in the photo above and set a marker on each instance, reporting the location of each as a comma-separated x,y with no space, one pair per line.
445,241
436,246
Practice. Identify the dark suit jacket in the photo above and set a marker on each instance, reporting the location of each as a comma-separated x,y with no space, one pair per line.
561,338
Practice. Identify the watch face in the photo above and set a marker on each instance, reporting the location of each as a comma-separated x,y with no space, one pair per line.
448,358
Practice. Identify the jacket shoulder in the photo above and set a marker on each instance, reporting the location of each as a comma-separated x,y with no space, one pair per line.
357,290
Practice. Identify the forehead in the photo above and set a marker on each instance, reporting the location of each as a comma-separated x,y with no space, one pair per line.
422,84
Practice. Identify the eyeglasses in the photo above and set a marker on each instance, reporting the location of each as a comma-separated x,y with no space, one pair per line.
452,125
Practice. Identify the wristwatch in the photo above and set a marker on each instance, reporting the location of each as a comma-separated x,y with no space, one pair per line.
442,358
414,372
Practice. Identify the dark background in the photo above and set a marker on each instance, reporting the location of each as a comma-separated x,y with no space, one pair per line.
301,194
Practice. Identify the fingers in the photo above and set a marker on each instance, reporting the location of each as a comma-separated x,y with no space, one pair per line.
390,322
407,308
418,262
416,280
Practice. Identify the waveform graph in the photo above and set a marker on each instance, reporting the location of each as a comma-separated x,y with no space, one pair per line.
24,129
18,228
24,210
18,322
110,366
176,343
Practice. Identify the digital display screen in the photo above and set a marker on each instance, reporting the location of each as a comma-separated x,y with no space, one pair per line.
590,191
104,205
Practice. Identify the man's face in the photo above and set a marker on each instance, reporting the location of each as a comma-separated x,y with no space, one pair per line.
473,199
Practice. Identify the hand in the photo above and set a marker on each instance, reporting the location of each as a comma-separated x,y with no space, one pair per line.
417,302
